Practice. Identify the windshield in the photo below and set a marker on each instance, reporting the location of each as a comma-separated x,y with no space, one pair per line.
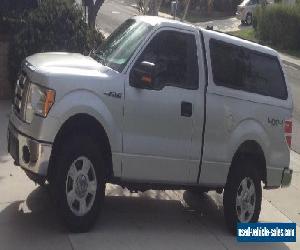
118,48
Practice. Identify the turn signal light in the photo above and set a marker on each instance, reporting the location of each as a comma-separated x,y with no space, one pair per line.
288,129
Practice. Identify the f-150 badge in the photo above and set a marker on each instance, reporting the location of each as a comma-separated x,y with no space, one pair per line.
113,94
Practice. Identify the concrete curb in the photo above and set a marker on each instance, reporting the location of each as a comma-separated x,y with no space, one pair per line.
289,63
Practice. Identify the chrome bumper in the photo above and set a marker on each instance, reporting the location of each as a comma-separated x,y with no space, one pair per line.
286,177
27,152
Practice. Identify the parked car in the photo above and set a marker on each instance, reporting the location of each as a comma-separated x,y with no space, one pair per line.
160,105
246,10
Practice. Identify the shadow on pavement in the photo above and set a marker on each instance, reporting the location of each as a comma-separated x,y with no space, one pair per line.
150,220
31,224
35,213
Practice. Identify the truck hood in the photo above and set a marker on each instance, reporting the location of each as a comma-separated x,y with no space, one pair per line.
68,72
74,61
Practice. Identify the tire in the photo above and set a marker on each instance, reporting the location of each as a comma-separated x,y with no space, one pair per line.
198,190
249,19
79,183
242,177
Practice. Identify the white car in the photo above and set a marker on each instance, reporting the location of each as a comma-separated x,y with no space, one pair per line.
160,105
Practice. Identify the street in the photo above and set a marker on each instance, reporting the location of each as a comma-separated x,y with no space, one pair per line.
114,12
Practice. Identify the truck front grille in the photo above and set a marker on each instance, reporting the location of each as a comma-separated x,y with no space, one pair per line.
20,95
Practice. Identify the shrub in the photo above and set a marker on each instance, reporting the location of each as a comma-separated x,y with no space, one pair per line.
279,25
14,7
56,25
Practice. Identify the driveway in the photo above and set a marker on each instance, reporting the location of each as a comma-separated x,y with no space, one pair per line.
115,12
150,220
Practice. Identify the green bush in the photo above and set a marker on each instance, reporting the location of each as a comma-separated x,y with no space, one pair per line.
56,25
15,7
279,25
10,9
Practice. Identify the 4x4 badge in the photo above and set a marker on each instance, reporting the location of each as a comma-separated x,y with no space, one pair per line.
113,94
275,122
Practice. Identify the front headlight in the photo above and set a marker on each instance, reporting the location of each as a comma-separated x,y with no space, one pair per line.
39,101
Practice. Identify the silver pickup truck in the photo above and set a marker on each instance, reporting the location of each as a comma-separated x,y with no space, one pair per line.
160,105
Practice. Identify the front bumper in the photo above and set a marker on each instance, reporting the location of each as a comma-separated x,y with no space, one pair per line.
30,154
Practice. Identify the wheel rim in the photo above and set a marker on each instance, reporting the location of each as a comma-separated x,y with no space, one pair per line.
81,186
245,200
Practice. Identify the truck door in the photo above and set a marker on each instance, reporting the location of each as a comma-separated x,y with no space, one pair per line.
162,109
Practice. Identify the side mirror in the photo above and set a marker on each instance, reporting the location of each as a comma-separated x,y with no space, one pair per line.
142,75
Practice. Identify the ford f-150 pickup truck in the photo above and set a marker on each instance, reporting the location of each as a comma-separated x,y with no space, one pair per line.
159,105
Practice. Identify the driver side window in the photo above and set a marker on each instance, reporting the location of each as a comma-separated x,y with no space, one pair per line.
173,55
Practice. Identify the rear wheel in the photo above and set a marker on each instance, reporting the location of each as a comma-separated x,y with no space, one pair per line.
242,194
79,185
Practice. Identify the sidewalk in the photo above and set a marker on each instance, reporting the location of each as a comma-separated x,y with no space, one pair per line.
290,60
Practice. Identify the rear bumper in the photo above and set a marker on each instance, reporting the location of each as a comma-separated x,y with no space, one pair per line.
278,177
286,177
30,154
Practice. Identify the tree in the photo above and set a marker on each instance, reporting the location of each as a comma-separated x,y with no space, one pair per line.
153,7
93,9
186,8
142,6
56,25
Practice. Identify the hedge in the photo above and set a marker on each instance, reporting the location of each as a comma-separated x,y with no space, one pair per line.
9,7
55,25
279,25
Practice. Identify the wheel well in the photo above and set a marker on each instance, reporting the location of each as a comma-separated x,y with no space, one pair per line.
87,125
252,149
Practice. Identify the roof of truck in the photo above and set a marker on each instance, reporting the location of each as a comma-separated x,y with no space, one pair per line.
239,41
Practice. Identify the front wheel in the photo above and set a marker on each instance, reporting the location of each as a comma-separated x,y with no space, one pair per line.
79,183
242,195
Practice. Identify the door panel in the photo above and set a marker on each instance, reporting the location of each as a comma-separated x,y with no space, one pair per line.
159,122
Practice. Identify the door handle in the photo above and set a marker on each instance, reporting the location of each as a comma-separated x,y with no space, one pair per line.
186,109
